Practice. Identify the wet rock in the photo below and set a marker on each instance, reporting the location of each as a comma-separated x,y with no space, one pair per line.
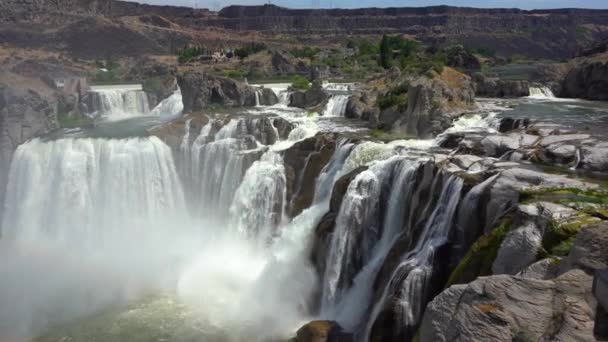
356,108
510,308
590,250
268,97
172,132
283,127
510,124
595,158
199,90
306,159
313,97
495,87
322,331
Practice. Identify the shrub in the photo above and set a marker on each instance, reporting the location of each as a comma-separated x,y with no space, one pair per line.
300,82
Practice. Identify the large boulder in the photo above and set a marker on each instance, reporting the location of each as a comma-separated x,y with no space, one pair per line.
267,97
303,163
311,98
510,308
495,87
200,89
322,331
590,250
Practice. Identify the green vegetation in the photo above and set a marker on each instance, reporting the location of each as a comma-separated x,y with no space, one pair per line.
235,74
108,72
396,96
386,54
305,52
480,257
188,53
67,121
300,82
592,205
253,48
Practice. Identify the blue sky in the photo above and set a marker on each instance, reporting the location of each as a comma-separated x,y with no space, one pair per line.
526,4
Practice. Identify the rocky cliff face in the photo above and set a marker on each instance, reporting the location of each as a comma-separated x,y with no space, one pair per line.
28,108
199,90
547,33
588,79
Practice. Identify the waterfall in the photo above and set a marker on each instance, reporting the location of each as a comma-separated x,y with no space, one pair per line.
336,105
86,189
169,108
393,202
541,93
259,202
88,223
117,103
407,291
219,158
257,98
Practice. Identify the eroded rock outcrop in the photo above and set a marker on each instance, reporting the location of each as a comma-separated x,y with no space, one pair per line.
433,101
510,308
200,90
314,97
495,87
588,79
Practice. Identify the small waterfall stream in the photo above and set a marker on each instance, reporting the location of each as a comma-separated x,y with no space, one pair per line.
336,105
541,93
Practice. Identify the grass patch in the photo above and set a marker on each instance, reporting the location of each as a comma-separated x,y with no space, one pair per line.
592,206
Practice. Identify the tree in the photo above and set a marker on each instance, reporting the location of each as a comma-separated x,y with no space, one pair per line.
386,55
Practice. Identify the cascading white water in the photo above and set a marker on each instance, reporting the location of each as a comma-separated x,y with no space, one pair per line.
84,189
541,93
259,202
169,108
336,105
117,103
99,221
257,98
367,231
407,289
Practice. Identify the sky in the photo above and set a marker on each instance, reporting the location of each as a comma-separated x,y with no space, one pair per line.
525,4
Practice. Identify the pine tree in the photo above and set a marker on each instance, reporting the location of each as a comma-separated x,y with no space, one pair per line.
386,57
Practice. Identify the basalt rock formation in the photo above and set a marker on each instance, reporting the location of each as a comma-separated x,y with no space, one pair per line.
199,90
588,79
28,108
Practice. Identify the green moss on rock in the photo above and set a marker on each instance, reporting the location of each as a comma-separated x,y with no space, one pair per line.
480,257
